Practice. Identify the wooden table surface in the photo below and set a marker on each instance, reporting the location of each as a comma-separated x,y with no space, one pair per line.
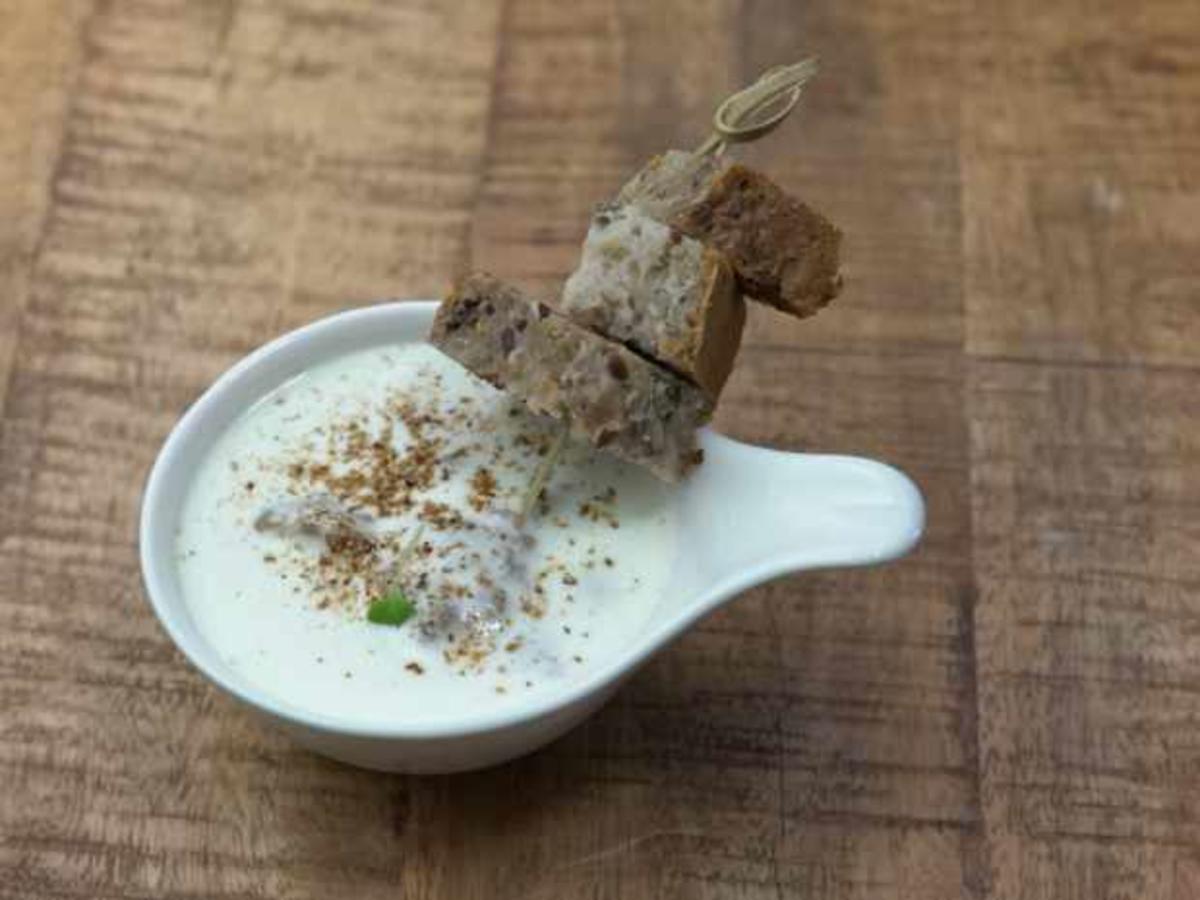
1012,712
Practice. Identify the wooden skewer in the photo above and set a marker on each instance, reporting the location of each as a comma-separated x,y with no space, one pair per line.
405,557
541,475
758,109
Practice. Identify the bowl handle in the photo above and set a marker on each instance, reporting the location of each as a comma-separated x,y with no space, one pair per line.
753,514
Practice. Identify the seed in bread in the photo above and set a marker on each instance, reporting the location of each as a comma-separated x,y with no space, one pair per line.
664,294
610,396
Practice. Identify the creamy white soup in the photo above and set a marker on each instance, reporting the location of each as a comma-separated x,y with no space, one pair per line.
352,545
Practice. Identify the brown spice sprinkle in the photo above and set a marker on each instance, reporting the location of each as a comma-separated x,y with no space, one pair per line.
349,544
472,652
483,489
441,516
390,471
601,508
348,571
365,472
533,605
369,473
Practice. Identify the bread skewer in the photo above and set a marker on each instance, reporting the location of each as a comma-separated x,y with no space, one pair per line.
656,265
533,368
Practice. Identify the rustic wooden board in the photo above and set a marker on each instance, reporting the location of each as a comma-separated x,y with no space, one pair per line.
38,55
1081,172
1012,712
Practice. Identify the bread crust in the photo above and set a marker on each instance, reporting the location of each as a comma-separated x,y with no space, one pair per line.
718,328
785,253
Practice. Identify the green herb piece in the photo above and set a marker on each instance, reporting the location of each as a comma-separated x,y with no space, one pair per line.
393,609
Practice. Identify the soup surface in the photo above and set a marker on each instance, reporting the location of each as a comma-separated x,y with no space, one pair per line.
387,483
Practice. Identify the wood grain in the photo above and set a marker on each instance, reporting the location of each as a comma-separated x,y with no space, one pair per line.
1009,713
1081,247
38,56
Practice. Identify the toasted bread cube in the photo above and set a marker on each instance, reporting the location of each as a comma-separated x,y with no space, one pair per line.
660,292
784,253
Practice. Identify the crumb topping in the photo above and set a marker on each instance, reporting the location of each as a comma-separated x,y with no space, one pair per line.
416,500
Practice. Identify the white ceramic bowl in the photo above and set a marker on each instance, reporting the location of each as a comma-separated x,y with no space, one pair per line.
748,515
